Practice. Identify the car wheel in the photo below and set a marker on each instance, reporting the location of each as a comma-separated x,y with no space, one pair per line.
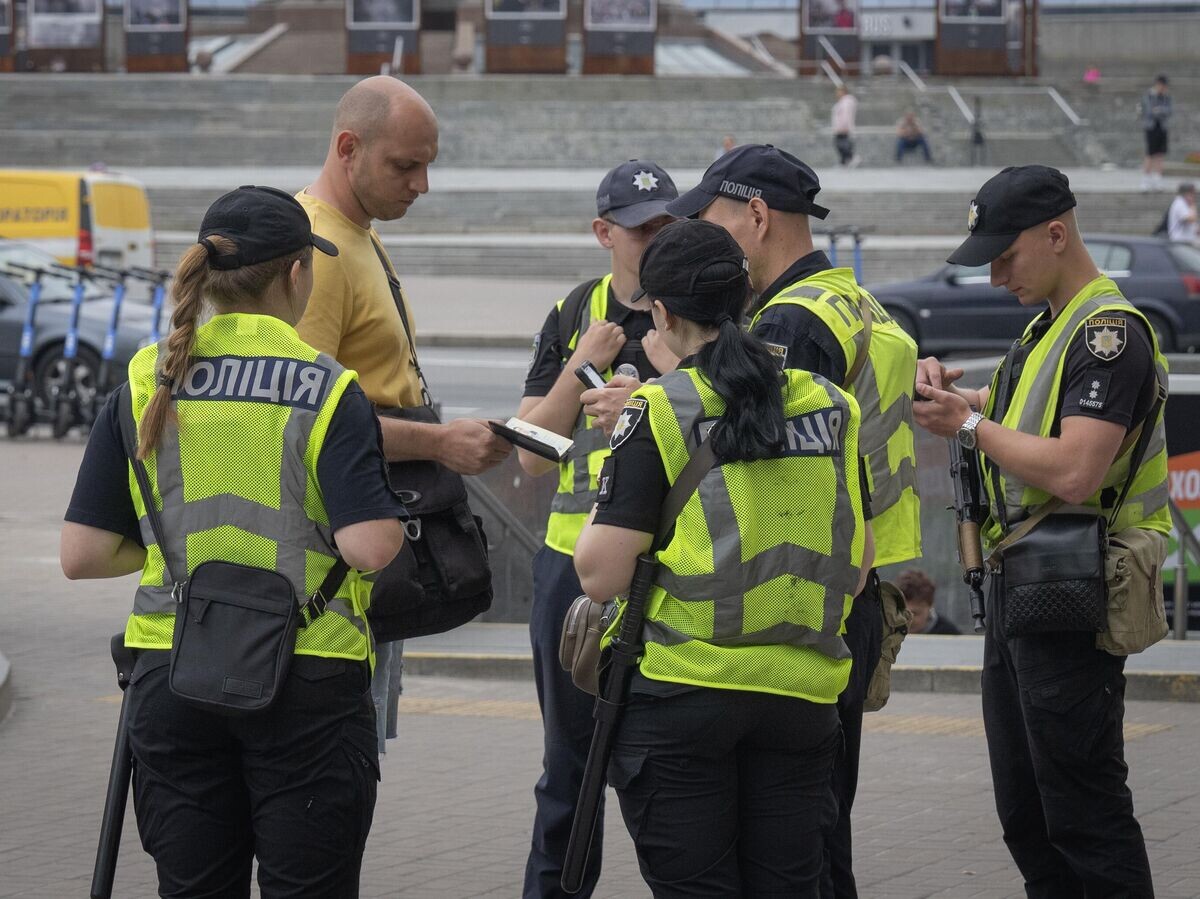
1166,339
51,370
904,320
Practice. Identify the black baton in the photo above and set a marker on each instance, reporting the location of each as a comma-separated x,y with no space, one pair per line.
119,775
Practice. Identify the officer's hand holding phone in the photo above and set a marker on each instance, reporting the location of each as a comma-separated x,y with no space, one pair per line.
605,403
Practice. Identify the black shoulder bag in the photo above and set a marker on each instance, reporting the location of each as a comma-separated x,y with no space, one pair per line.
441,577
1053,562
235,625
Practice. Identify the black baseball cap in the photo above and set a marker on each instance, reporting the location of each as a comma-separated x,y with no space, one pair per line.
634,193
782,181
264,222
693,267
1018,198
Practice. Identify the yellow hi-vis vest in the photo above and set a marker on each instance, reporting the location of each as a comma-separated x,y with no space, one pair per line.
236,480
753,589
1033,409
884,390
577,474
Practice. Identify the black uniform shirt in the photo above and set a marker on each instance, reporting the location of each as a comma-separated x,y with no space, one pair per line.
350,471
546,364
1096,383
807,342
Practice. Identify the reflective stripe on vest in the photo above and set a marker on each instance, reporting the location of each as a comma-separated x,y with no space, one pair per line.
1033,409
729,605
577,474
242,486
883,388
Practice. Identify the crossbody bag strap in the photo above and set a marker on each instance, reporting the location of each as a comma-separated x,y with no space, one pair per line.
397,297
1138,439
701,461
312,608
860,358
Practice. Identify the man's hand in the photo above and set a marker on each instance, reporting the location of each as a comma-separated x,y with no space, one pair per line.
605,403
931,371
599,345
945,412
469,446
659,353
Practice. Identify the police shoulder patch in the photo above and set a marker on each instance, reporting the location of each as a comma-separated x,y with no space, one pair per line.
533,353
628,420
779,351
604,482
1094,391
1105,336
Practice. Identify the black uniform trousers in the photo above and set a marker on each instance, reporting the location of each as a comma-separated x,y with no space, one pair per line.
567,725
726,793
294,785
1053,710
864,634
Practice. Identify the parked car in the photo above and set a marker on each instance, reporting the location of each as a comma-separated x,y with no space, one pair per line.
956,308
53,314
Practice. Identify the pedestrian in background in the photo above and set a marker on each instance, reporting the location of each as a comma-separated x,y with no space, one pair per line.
723,755
845,109
1156,111
910,137
280,471
384,139
1181,215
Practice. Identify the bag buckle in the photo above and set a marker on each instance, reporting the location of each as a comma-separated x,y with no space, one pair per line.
314,608
177,591
412,528
409,497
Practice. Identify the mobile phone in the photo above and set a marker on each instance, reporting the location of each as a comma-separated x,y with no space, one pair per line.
590,377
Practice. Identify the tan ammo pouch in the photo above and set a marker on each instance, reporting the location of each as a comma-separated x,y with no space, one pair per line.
1133,571
579,648
896,618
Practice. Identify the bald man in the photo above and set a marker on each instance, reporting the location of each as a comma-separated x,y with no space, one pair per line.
384,139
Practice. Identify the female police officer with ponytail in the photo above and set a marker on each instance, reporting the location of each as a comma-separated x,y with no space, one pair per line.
251,440
723,755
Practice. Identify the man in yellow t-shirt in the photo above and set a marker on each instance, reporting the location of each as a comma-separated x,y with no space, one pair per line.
384,139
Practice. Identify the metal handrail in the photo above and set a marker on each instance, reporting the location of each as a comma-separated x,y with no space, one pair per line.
912,76
486,499
831,51
961,104
833,75
1064,106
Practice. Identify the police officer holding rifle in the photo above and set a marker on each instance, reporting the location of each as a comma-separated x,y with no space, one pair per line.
1074,467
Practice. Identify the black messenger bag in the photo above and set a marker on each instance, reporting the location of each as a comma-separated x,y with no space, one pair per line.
441,578
235,625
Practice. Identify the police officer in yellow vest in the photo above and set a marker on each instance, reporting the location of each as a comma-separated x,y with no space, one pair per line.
600,323
723,757
812,317
1052,423
253,443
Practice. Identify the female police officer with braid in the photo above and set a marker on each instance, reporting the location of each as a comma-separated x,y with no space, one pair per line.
252,441
724,751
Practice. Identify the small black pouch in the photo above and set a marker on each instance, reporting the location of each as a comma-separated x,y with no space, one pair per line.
1054,577
235,634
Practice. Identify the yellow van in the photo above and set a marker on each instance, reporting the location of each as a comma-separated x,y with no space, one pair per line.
79,217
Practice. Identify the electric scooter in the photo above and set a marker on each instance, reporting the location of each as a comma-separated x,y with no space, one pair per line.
65,404
22,392
103,385
159,279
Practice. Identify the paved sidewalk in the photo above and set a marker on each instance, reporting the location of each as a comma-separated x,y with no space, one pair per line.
456,800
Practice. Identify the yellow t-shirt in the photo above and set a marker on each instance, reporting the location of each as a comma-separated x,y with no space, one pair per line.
351,314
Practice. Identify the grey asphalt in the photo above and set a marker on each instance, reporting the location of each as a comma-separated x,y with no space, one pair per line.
455,803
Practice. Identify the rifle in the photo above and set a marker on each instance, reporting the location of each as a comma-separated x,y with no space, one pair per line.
971,510
119,775
626,653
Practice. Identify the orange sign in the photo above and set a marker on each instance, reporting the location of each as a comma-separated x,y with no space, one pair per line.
1183,479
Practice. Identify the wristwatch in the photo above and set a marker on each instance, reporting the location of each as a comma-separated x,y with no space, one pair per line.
966,431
